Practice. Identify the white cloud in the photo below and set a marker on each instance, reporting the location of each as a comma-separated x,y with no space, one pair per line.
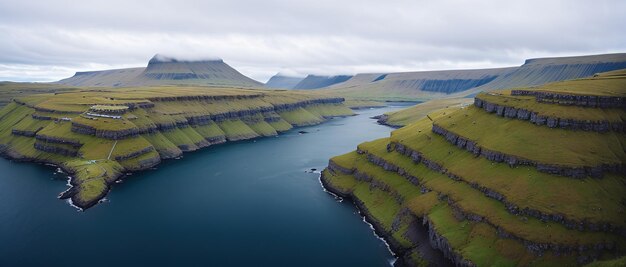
52,39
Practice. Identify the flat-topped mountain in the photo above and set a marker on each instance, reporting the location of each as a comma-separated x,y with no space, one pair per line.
425,85
283,81
540,71
405,85
163,70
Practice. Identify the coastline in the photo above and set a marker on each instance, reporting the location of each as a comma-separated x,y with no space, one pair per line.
405,256
396,250
71,194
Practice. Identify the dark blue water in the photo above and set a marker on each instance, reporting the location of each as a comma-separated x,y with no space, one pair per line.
248,203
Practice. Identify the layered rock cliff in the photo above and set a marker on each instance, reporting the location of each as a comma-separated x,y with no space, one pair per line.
151,125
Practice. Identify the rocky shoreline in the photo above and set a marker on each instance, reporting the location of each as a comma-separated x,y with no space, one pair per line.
395,248
383,120
70,193
401,253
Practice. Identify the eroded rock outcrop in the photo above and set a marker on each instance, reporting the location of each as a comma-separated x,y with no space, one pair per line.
512,160
593,101
26,133
68,152
134,154
549,121
58,140
106,134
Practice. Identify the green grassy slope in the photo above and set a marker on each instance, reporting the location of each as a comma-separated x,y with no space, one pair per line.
98,134
11,90
482,211
412,114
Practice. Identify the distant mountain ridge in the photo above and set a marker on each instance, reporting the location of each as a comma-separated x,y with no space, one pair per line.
424,85
414,85
538,71
317,81
283,82
163,70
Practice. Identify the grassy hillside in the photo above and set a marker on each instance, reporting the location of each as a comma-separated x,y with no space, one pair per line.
11,90
98,134
409,115
534,177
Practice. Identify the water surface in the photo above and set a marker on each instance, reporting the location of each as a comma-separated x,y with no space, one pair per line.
246,203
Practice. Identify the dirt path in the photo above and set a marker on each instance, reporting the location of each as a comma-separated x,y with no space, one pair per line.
111,152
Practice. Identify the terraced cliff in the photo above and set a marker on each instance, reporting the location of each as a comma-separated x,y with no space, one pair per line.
99,134
521,177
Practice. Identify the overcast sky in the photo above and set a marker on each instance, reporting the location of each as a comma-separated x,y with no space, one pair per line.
50,40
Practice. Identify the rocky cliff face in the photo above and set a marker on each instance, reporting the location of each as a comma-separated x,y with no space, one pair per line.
591,101
512,160
418,157
56,149
193,120
106,134
550,121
